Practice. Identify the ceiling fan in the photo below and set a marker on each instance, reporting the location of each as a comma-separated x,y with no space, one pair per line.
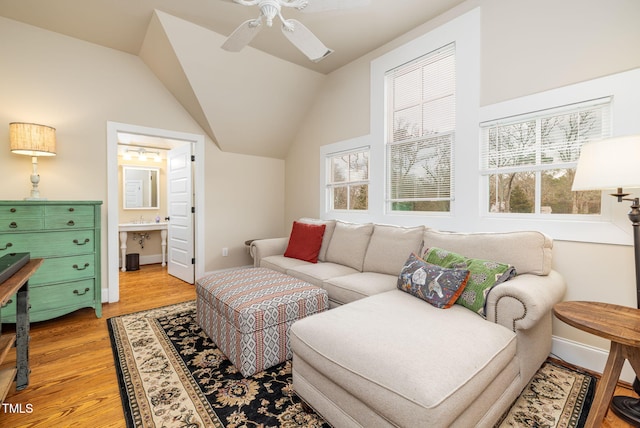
301,37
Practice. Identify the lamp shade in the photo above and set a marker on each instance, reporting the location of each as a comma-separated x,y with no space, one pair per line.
609,164
31,139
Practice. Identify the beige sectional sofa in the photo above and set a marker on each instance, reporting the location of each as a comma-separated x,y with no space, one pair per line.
382,357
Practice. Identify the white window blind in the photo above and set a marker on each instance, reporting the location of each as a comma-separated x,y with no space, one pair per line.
546,139
420,127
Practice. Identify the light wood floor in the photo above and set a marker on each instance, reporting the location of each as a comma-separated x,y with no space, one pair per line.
73,380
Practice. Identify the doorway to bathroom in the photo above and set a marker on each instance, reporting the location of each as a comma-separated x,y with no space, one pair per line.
172,201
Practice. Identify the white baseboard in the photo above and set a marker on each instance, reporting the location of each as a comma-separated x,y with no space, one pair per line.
586,356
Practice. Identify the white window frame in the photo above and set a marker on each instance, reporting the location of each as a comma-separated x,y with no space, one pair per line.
464,31
604,104
328,151
426,140
611,226
348,183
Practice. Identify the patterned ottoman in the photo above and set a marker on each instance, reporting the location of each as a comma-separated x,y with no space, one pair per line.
248,312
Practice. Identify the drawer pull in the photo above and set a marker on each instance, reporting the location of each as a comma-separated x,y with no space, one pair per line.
75,241
12,210
9,244
13,225
10,301
70,223
71,209
81,293
76,267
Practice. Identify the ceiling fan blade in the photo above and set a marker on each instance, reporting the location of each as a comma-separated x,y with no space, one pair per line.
242,36
327,5
305,40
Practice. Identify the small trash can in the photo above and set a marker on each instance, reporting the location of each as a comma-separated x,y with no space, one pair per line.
133,261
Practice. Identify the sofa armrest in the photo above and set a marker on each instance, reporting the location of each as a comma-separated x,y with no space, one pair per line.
261,248
521,302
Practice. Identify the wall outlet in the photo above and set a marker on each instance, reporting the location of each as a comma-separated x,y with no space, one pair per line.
225,252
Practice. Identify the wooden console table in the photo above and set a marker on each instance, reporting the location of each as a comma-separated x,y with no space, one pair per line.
17,284
619,324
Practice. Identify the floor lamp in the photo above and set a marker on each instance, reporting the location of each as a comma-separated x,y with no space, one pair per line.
614,163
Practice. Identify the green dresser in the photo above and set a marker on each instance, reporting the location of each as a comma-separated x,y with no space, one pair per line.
67,235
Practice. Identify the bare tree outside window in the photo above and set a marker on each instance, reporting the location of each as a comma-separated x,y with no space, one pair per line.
349,184
421,174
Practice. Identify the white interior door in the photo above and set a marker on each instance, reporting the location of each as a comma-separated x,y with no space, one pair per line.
180,248
133,193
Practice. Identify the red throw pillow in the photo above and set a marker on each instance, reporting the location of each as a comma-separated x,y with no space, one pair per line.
305,241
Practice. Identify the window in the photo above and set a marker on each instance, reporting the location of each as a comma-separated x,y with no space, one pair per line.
528,161
420,123
348,180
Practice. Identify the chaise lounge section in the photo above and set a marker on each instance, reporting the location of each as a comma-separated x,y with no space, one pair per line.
383,357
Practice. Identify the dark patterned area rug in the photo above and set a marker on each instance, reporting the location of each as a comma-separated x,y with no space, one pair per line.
172,375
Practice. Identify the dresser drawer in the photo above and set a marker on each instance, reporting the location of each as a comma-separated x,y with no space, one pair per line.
20,211
19,224
68,294
61,269
69,209
53,300
70,221
48,244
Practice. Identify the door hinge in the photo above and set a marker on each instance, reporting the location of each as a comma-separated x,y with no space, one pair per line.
193,158
193,210
193,261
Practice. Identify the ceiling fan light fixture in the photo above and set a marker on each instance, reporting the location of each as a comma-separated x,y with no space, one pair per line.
299,35
270,10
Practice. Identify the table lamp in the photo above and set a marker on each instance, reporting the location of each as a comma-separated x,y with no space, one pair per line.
614,163
32,140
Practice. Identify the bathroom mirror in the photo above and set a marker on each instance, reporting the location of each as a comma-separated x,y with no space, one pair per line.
140,188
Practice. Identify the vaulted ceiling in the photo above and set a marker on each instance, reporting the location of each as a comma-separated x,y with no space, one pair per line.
247,102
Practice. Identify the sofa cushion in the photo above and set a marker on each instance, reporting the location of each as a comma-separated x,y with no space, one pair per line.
281,263
448,358
349,244
330,225
346,289
305,241
390,246
528,252
317,273
485,274
440,286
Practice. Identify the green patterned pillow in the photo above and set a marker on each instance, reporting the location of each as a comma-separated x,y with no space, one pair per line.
485,274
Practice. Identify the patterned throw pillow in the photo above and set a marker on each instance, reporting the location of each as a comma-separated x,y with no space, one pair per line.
485,275
437,285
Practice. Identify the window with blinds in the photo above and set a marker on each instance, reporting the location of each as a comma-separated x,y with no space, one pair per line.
421,121
529,161
348,180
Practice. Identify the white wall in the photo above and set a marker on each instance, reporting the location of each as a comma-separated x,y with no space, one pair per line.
526,47
77,87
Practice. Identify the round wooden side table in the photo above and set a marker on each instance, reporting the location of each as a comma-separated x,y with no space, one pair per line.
620,325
